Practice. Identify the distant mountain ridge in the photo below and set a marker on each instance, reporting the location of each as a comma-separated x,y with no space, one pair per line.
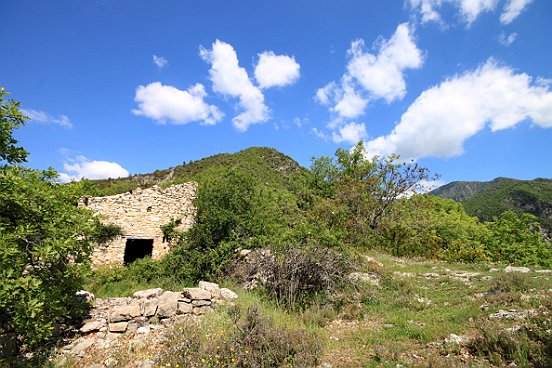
488,199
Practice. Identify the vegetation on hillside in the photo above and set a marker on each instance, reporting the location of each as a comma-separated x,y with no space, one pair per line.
487,200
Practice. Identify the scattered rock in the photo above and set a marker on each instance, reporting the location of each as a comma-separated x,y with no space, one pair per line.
85,296
512,314
369,277
111,362
431,275
143,330
404,274
227,294
517,269
457,339
543,271
373,260
80,348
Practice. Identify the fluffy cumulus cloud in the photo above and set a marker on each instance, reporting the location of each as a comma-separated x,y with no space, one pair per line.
230,79
382,75
443,117
469,10
370,77
160,61
349,133
276,70
45,118
80,167
512,9
167,103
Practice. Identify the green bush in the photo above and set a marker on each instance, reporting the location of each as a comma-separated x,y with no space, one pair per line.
515,239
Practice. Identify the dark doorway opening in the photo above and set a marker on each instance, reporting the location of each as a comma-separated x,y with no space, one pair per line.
137,248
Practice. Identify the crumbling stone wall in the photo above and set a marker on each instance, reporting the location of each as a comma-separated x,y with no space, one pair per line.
140,214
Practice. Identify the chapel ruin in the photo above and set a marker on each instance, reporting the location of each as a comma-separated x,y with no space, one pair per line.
140,213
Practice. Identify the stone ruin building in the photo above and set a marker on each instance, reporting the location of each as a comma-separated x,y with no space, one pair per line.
140,213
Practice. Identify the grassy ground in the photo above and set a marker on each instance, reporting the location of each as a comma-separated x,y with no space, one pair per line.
406,321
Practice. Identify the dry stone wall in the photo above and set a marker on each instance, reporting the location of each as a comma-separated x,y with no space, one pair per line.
140,214
154,306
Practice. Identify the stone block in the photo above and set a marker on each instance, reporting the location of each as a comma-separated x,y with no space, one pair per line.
118,327
201,310
125,312
150,307
148,294
184,308
200,303
208,285
93,325
168,304
197,293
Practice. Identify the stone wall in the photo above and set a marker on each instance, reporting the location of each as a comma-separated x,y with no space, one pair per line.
140,214
154,306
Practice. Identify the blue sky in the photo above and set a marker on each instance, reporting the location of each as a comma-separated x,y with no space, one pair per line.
131,86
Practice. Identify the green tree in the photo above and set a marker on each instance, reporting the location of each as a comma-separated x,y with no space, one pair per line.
44,240
10,119
367,188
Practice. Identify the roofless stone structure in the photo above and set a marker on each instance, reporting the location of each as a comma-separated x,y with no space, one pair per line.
140,213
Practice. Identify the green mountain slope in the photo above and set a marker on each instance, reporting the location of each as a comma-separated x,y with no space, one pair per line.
488,199
267,165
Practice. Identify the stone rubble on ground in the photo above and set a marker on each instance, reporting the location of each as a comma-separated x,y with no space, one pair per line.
517,269
514,314
369,277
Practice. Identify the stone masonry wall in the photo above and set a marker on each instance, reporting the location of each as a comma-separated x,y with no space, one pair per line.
141,213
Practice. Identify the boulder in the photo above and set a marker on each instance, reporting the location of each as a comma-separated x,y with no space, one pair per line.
85,296
168,304
148,294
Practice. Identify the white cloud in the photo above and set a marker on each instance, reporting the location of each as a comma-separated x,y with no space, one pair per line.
45,118
512,9
350,103
80,167
469,10
350,133
382,75
276,70
324,95
167,103
370,77
507,40
443,117
230,79
160,61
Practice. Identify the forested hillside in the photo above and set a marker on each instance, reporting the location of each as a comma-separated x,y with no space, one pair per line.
489,199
